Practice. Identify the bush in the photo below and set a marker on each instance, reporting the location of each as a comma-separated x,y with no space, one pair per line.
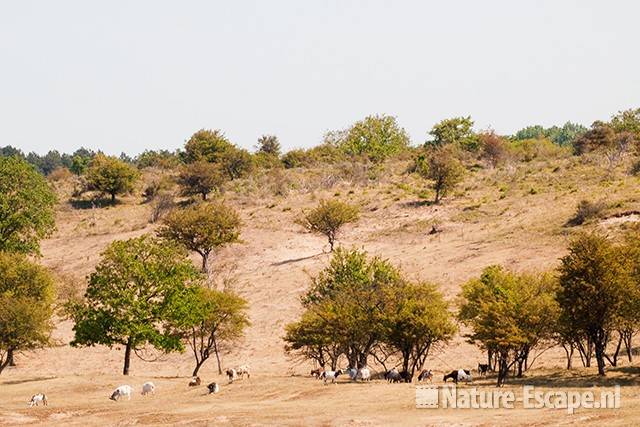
328,217
111,175
161,204
587,210
200,178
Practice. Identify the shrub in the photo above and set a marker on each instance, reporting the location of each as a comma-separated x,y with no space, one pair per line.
587,210
441,165
111,175
200,178
328,217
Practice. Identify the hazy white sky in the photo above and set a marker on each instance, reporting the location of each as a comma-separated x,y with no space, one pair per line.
131,75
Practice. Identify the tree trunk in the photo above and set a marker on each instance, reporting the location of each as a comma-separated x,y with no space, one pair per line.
4,363
204,196
205,263
490,359
503,371
600,357
569,353
10,359
113,198
197,368
215,349
127,358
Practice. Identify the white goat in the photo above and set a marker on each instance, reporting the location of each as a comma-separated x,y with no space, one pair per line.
364,374
330,375
148,388
36,399
123,390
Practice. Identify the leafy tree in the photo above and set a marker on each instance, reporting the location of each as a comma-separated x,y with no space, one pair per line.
600,135
80,160
207,145
236,162
627,121
417,321
209,321
202,228
200,178
351,296
308,339
594,284
328,218
441,165
509,315
26,206
563,136
376,137
26,298
128,298
269,144
457,130
9,151
111,175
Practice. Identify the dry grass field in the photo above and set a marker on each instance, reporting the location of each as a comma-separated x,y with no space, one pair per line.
514,215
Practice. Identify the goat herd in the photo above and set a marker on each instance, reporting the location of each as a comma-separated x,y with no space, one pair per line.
395,376
362,374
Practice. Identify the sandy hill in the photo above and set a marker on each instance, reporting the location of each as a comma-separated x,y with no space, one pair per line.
514,215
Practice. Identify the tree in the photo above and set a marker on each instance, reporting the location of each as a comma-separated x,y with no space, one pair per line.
627,121
202,228
111,175
351,296
457,130
594,284
208,145
236,162
493,148
308,339
128,298
376,137
269,144
26,297
600,135
26,207
509,315
200,178
328,218
209,321
565,135
442,167
80,160
417,321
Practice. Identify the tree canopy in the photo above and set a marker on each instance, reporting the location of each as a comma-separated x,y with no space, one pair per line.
26,207
128,298
26,299
111,175
375,137
457,130
328,218
202,228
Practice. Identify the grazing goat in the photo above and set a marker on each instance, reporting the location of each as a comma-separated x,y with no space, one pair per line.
123,390
483,368
425,375
393,376
331,375
459,375
240,371
213,388
148,388
195,381
363,374
315,373
36,399
353,373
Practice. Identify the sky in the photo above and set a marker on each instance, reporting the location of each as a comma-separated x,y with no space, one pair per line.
135,75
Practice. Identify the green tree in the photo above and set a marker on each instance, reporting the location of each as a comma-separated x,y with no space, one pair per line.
26,301
351,295
210,321
376,137
269,144
457,130
207,145
509,315
128,298
442,166
594,285
111,175
308,339
627,121
417,321
202,228
200,178
236,162
26,207
328,218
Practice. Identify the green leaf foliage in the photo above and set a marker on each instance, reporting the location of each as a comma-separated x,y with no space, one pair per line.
26,207
111,175
375,137
328,218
